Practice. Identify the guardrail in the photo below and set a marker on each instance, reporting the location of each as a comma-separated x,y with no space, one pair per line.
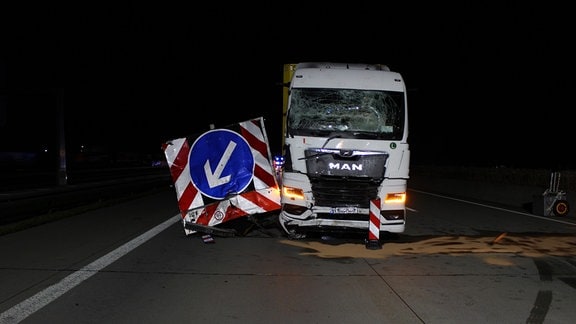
19,204
499,175
527,189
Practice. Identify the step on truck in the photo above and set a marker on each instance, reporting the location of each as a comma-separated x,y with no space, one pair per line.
345,149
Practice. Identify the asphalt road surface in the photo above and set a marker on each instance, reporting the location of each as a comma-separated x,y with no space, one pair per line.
458,262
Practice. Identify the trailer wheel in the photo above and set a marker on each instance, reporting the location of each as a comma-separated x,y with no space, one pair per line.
560,207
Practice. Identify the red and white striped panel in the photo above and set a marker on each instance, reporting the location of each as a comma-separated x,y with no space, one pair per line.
264,198
374,228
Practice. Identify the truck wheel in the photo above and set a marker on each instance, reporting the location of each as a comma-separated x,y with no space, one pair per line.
560,207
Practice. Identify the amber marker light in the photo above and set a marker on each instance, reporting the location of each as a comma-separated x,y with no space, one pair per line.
396,197
293,193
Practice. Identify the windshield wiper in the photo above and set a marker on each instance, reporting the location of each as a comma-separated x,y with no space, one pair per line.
315,155
331,138
322,153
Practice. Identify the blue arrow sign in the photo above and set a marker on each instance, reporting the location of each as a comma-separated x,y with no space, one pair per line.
221,163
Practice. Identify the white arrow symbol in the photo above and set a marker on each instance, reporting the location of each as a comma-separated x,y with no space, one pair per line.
214,178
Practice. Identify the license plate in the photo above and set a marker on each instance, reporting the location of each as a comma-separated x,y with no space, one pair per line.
344,210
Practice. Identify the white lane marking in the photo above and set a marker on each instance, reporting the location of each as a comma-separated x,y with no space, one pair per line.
497,208
29,306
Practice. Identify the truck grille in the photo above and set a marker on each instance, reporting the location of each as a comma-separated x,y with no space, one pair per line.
337,192
354,217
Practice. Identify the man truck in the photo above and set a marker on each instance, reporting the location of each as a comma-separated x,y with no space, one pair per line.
345,149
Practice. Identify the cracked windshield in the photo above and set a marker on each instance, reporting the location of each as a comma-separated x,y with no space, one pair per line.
314,110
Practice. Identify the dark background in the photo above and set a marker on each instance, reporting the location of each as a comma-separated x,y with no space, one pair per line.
490,84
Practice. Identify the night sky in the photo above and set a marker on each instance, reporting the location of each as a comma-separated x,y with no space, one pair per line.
489,84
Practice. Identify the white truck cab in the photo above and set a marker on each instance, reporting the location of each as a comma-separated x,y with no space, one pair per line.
345,145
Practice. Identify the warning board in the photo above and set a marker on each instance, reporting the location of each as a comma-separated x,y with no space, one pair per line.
223,174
